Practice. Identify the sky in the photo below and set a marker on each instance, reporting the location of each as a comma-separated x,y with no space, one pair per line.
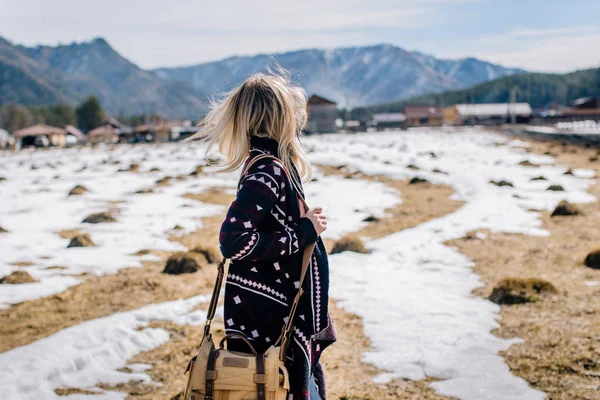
548,35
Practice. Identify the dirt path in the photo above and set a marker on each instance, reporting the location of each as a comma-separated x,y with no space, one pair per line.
560,354
347,376
131,288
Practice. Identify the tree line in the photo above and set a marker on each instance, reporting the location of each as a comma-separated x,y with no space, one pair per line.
537,89
86,116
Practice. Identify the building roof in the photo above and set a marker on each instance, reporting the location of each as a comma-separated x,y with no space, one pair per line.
70,129
104,130
585,102
39,130
495,109
389,117
316,99
161,125
423,111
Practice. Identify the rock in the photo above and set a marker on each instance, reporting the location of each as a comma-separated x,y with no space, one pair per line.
417,180
538,178
413,167
371,218
349,243
518,291
569,172
211,253
78,190
555,188
81,240
593,259
99,218
593,159
502,183
2,178
565,208
155,169
17,277
438,171
144,191
527,163
182,263
2,230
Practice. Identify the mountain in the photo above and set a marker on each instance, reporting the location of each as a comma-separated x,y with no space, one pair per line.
537,89
67,74
352,76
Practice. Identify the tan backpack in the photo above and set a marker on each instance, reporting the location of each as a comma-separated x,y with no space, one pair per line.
216,373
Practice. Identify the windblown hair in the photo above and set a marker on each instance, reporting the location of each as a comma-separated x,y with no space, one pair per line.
265,105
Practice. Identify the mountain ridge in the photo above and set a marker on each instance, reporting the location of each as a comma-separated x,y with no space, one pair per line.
354,75
347,74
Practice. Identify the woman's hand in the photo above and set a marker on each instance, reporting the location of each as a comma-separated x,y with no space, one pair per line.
318,219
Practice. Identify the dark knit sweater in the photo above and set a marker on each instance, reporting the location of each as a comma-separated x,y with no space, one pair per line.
264,237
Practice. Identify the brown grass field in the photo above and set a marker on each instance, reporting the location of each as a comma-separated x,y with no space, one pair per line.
560,353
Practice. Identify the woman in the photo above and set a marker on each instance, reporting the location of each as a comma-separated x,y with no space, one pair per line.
267,227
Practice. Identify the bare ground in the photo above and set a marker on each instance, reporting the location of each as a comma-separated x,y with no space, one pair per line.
347,376
560,354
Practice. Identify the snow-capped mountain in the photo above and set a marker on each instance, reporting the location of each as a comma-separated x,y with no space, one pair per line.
353,76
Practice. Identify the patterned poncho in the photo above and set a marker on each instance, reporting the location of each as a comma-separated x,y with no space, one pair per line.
264,237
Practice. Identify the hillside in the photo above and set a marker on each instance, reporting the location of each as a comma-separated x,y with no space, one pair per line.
67,74
352,76
535,88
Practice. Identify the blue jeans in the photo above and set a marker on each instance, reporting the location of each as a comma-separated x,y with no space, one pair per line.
314,390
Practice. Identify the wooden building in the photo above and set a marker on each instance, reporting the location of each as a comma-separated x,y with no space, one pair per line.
160,130
103,134
40,135
423,115
383,121
486,114
322,114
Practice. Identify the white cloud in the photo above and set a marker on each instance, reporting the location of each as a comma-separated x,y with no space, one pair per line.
552,50
155,32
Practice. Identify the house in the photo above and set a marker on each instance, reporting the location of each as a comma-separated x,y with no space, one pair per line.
161,130
423,115
6,140
486,114
584,103
106,133
75,136
388,121
322,114
40,135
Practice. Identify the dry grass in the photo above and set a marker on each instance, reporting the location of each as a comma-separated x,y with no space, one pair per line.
565,209
184,263
518,290
78,190
17,277
347,376
561,332
132,288
81,240
96,297
99,218
349,243
592,260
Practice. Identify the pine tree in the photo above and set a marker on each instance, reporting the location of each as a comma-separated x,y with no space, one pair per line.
89,114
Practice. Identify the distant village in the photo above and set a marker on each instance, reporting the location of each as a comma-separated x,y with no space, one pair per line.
324,117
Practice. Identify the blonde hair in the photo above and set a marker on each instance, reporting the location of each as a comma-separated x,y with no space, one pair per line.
265,105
